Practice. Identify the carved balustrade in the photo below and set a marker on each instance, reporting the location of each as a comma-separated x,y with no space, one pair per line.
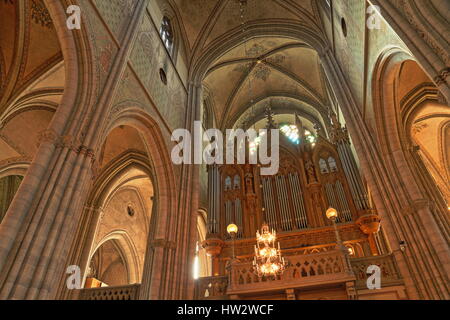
130,292
390,274
303,271
211,288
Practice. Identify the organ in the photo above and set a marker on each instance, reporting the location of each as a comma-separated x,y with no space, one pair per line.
315,173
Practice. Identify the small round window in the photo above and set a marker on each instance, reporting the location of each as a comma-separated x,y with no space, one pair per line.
130,211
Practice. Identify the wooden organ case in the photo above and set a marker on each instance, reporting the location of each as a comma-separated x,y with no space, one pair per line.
312,177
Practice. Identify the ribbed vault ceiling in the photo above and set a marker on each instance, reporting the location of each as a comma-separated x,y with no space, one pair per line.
259,70
273,69
29,49
32,77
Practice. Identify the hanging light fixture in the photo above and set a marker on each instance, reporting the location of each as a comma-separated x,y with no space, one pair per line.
268,260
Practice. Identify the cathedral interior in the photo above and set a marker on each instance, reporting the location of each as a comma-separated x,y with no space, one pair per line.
93,207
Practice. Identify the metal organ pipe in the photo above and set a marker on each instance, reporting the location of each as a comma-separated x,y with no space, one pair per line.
281,216
349,175
301,213
228,212
285,196
283,219
268,202
359,183
294,193
332,198
272,204
238,213
267,199
282,203
351,171
345,209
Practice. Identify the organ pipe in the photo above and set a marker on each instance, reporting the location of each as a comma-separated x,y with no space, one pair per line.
351,171
297,197
228,213
344,207
214,187
340,138
272,212
300,202
282,196
238,213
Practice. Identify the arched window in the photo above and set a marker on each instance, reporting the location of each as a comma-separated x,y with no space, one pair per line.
227,183
332,164
291,132
323,166
237,182
166,33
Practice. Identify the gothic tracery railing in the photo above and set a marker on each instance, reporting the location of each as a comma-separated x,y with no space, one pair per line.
303,271
211,287
390,274
130,292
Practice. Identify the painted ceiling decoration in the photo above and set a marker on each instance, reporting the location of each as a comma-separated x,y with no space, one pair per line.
279,74
32,77
40,14
30,52
264,66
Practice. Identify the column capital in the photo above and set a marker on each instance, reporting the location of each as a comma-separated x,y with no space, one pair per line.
441,78
213,246
369,223
50,136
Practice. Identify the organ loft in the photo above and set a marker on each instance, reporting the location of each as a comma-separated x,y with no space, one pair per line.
317,171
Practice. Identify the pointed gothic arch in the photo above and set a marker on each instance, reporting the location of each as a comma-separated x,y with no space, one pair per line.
412,188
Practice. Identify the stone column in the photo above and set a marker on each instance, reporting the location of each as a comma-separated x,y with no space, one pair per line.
173,235
39,244
423,270
38,229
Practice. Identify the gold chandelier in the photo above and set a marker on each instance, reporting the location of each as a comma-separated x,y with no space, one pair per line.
268,260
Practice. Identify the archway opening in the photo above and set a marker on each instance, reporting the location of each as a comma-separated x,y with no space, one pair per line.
108,267
8,188
413,121
122,228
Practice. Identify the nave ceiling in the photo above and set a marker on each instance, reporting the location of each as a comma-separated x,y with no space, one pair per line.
284,72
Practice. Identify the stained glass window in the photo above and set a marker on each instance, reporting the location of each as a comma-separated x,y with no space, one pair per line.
292,133
166,33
